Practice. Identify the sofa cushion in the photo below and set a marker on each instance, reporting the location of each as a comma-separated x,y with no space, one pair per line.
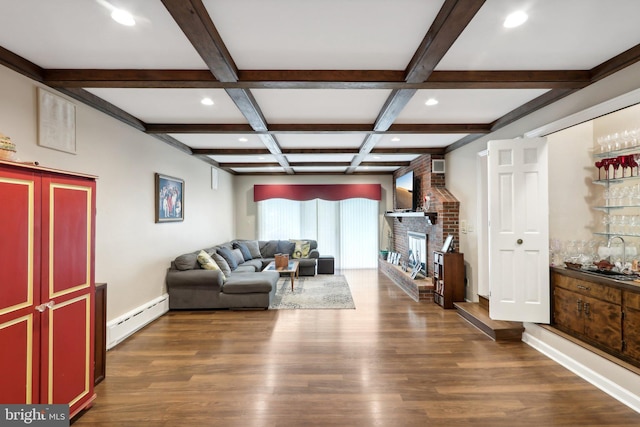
206,262
286,247
256,264
221,263
228,256
254,248
186,262
246,254
301,249
269,248
247,283
237,255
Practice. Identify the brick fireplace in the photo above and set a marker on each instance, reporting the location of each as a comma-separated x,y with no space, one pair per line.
446,223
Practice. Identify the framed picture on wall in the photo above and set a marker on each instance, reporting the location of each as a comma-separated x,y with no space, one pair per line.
169,198
56,122
447,244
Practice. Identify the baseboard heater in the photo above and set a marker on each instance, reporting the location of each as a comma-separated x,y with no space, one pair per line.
126,325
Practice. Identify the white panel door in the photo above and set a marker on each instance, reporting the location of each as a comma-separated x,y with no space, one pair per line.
519,230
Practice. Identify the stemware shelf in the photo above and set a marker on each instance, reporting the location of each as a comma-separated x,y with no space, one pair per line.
620,152
616,180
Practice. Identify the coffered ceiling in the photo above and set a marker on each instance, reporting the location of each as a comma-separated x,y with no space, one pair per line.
324,86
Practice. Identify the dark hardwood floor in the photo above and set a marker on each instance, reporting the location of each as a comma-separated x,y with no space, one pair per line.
389,362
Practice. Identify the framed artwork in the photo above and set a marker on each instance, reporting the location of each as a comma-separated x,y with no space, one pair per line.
169,198
415,270
56,122
447,244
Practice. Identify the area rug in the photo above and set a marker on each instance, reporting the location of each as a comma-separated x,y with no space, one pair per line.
313,292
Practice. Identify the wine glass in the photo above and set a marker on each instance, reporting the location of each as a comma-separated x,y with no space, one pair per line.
599,165
633,163
615,162
623,161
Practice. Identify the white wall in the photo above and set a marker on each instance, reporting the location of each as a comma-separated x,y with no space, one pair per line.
246,209
132,251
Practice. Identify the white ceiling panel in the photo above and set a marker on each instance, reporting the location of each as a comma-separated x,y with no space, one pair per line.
559,35
320,105
173,105
267,170
327,35
348,140
419,140
390,157
319,158
200,140
251,158
320,169
465,105
81,34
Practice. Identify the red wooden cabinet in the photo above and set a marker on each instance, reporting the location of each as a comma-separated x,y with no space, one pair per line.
47,286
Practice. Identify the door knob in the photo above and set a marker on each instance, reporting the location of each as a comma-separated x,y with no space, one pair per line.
519,241
42,307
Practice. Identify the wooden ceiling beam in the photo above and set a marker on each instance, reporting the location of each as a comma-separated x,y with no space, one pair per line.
194,21
452,19
313,79
615,64
328,128
230,151
21,65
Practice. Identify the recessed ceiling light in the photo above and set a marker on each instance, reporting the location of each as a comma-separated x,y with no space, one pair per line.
376,157
260,158
431,101
515,19
207,101
395,139
123,17
242,139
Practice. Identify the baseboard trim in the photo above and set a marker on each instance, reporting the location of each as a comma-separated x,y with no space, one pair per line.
129,323
610,387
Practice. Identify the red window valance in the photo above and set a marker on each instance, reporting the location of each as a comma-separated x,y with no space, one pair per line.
309,192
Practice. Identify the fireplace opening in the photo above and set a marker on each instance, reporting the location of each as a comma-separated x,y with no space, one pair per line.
418,251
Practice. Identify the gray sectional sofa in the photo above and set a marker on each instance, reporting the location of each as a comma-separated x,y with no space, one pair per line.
241,284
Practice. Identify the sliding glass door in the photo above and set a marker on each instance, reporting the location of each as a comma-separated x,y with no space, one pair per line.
346,229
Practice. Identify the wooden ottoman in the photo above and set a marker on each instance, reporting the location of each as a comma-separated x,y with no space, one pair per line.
326,264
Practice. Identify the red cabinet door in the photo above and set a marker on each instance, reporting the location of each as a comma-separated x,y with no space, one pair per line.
67,266
19,286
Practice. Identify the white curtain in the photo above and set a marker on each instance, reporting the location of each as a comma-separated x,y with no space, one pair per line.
346,229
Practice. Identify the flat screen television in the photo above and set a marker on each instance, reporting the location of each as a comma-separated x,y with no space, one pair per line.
404,192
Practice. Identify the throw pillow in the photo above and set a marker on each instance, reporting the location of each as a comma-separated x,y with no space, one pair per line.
186,262
237,255
208,263
301,249
269,249
254,248
286,247
228,256
222,264
243,248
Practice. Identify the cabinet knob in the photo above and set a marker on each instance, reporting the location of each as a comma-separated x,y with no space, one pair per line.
42,307
519,241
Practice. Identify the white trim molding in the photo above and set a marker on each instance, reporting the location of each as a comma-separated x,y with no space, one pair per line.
129,323
615,380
